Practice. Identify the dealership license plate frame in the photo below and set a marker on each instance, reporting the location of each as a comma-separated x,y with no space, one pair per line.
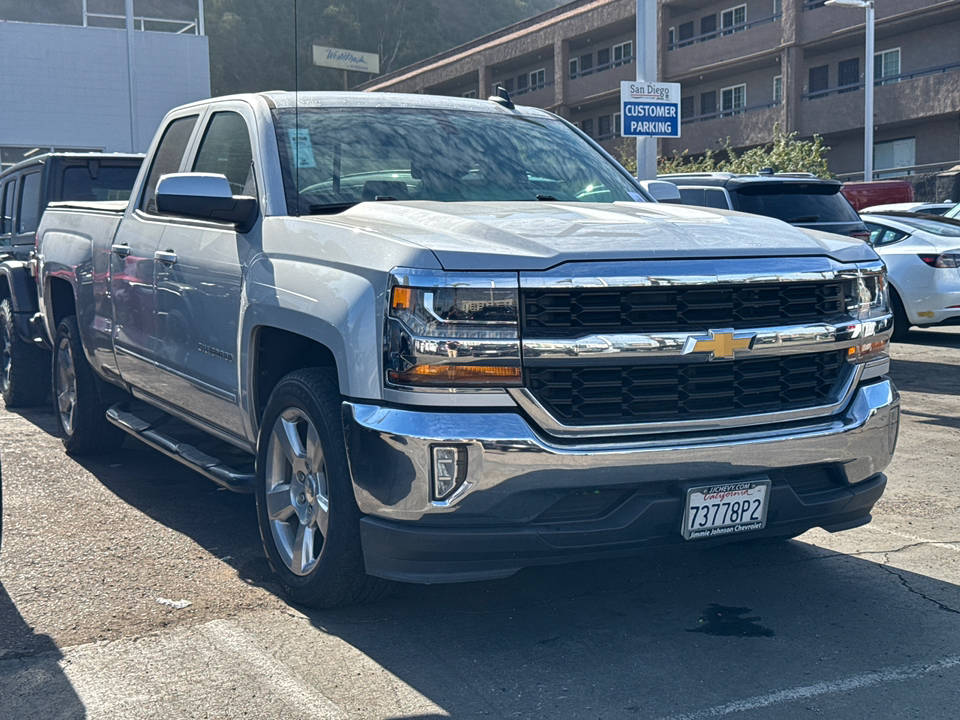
757,488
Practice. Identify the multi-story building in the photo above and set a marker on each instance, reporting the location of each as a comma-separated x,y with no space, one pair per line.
743,69
76,87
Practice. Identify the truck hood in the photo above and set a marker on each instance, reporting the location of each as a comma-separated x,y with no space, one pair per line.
540,235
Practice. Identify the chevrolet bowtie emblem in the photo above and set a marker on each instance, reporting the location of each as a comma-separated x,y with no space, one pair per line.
721,344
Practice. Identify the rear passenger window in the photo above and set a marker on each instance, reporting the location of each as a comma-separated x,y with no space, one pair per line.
715,198
167,159
28,209
6,210
225,150
692,196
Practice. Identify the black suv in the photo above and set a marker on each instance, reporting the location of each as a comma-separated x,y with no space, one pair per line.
800,199
25,191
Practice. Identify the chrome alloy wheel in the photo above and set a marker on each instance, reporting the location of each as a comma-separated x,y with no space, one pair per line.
66,385
6,359
297,492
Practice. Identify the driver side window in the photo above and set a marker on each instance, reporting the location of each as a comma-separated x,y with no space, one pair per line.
225,150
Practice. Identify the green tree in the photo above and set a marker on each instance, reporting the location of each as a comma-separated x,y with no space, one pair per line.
784,153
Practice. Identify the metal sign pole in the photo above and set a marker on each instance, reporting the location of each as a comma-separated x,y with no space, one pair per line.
646,55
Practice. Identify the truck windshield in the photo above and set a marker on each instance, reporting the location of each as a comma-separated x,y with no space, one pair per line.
333,158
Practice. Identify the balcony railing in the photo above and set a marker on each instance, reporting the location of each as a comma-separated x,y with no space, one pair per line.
728,113
523,91
901,171
601,68
729,30
179,27
889,80
813,4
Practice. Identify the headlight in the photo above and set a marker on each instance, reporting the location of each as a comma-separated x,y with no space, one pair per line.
452,331
870,304
871,298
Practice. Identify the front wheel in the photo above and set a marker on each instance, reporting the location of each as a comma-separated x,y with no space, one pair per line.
309,519
80,414
901,324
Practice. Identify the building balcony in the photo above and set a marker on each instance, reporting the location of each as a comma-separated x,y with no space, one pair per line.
541,95
906,98
746,127
820,23
684,57
599,80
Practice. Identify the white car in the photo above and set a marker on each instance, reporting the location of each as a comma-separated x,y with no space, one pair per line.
927,208
923,265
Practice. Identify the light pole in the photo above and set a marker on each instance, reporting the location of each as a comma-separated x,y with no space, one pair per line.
868,84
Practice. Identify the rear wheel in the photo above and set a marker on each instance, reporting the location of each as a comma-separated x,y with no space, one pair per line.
24,367
80,414
309,519
901,324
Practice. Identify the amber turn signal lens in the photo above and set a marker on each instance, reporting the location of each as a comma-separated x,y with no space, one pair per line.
402,297
457,375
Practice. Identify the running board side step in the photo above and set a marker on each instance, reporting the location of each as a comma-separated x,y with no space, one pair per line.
197,460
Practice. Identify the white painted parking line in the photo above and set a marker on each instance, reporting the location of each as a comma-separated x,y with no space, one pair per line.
914,538
856,682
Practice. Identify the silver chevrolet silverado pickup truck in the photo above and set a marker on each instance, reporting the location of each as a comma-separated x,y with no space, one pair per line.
442,339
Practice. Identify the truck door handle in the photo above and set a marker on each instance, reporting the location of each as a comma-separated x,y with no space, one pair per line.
122,249
167,257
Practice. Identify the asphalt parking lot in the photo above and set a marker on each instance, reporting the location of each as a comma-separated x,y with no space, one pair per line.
98,555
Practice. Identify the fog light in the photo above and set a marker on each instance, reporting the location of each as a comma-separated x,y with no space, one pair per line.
449,469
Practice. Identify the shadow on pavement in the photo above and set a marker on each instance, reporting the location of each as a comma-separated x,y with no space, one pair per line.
32,684
925,377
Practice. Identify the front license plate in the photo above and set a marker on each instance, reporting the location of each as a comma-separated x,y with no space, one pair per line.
728,509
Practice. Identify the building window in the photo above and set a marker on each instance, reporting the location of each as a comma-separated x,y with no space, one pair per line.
623,53
894,154
733,99
886,66
586,64
686,107
708,26
587,126
522,83
778,7
574,68
708,103
686,33
603,127
603,58
470,94
671,37
617,125
819,80
538,79
732,20
778,89
508,85
848,74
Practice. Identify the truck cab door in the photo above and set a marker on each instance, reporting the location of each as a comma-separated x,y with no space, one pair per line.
132,264
199,281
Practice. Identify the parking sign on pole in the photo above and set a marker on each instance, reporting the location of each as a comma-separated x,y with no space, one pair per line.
649,109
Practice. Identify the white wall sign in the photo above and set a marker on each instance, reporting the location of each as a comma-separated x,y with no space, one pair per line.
346,59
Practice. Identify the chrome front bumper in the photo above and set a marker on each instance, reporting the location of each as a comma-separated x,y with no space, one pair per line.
500,519
514,473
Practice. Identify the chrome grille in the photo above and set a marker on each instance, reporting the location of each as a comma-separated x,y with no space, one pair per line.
610,394
565,313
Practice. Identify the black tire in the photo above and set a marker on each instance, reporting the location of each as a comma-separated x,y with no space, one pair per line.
901,324
302,466
24,367
76,402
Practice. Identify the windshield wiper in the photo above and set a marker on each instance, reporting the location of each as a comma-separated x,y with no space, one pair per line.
546,198
331,208
804,218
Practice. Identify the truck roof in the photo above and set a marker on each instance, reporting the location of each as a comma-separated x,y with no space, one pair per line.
287,99
40,159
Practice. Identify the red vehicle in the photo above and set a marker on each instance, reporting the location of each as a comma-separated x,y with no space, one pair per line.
878,192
